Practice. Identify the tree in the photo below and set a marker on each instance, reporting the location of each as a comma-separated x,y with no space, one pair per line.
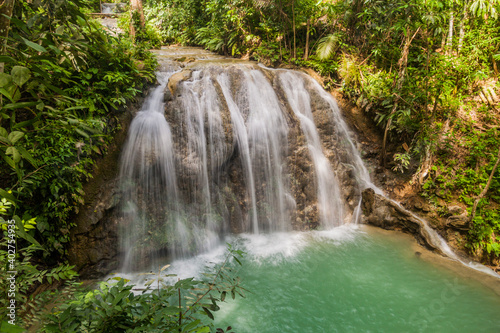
485,189
136,13
5,13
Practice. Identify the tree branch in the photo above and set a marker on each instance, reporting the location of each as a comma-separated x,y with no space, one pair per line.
485,190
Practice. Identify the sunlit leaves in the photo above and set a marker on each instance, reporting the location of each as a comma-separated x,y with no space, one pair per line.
328,45
484,8
15,136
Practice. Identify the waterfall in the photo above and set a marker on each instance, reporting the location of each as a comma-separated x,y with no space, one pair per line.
330,205
240,152
237,148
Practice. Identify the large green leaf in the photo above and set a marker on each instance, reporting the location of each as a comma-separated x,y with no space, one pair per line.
24,153
26,123
34,46
8,328
5,80
3,132
82,133
7,159
8,196
20,75
60,30
19,105
15,154
15,136
7,59
11,92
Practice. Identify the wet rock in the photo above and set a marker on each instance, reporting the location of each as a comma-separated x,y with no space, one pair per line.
176,78
418,205
459,222
93,249
167,97
385,213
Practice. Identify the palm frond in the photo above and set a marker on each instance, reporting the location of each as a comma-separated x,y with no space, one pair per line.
328,45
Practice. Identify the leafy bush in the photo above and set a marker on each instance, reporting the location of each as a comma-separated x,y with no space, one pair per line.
184,306
29,272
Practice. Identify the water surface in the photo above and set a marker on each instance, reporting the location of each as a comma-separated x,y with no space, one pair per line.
353,280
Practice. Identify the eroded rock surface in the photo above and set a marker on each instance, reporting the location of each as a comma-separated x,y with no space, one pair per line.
387,214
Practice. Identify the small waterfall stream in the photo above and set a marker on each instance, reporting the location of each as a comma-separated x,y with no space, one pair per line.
331,211
236,148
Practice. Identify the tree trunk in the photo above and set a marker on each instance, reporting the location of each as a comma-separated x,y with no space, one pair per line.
465,17
136,6
306,52
485,190
293,23
461,36
6,8
449,42
495,68
403,61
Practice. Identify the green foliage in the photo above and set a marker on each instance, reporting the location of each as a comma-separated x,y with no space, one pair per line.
484,8
22,260
183,306
402,162
466,179
174,21
65,82
328,45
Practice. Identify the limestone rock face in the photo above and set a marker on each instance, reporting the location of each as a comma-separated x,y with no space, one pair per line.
93,247
455,210
204,133
385,213
176,78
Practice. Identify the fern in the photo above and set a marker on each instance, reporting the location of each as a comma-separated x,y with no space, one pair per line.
328,45
207,38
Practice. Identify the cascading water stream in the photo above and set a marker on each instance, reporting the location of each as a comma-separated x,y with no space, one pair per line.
299,99
241,138
267,134
147,173
329,197
229,163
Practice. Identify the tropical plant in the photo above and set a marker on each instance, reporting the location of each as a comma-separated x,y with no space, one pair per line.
65,82
183,306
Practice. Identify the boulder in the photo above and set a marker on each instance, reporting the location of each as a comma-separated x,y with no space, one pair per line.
459,222
176,78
